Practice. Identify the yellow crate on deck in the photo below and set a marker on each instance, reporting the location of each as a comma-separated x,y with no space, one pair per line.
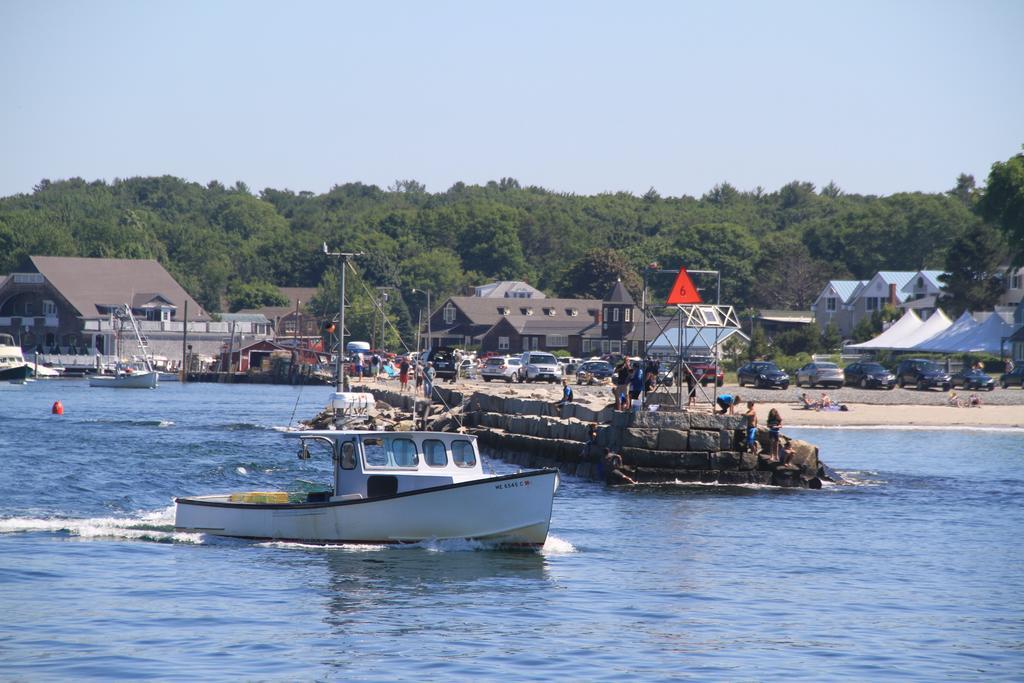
260,497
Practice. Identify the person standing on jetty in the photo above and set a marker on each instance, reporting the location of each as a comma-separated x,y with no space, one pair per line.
403,375
428,381
727,402
751,416
774,429
623,373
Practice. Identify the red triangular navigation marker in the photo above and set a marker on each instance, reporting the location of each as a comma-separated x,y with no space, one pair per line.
683,291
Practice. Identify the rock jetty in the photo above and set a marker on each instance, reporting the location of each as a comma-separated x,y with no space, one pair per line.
694,445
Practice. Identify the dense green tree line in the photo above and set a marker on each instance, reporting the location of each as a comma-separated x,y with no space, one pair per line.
225,244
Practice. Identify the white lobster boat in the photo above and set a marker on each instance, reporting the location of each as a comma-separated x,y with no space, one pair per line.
389,487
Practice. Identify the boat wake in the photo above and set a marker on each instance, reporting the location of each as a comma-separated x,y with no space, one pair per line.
156,526
132,423
553,546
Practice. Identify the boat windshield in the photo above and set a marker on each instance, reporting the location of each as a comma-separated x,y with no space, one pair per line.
391,452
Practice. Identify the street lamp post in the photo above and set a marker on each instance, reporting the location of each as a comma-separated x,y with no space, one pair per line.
430,341
344,258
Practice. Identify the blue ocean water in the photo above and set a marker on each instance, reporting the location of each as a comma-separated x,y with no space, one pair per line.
914,573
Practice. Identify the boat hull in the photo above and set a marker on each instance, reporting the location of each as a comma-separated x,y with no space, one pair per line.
511,510
18,373
136,380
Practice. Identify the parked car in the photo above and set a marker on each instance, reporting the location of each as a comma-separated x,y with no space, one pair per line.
923,374
539,365
762,374
1013,378
443,359
594,371
706,370
501,367
821,372
972,378
869,376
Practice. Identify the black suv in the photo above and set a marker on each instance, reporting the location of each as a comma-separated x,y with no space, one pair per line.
763,375
1014,377
443,359
869,375
923,374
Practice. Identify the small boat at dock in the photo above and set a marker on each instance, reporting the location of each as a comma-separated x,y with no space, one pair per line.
389,487
13,367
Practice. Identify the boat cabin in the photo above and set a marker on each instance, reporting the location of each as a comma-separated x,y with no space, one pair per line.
375,464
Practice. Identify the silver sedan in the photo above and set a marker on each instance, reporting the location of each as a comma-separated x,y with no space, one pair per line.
825,374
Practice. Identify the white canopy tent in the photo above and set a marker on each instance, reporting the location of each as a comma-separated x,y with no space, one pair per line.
892,338
937,323
951,337
984,338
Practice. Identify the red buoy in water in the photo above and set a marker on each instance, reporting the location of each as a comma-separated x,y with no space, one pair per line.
58,408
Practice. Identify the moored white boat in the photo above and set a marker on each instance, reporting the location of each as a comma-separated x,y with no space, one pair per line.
13,367
127,380
389,487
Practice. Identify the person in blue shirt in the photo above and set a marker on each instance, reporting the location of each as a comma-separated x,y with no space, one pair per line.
726,402
567,396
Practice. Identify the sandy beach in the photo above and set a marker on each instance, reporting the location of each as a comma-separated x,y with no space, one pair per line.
1003,408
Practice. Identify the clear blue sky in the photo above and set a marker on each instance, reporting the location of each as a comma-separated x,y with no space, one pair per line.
581,97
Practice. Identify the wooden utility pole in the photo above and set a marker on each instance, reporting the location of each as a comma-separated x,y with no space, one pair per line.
184,346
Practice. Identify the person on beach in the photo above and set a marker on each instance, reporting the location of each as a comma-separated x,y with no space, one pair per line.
403,375
751,416
807,403
954,400
774,427
623,373
726,403
825,402
974,401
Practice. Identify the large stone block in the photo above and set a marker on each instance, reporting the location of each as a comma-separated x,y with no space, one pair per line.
641,457
640,438
702,440
725,460
672,439
605,414
694,460
702,420
661,419
748,461
726,439
732,422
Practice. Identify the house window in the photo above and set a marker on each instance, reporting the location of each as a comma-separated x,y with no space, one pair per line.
526,311
165,315
871,303
830,303
615,346
615,315
1016,281
49,308
534,343
28,308
503,343
549,311
607,314
627,313
920,282
556,341
573,312
526,343
449,313
504,310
